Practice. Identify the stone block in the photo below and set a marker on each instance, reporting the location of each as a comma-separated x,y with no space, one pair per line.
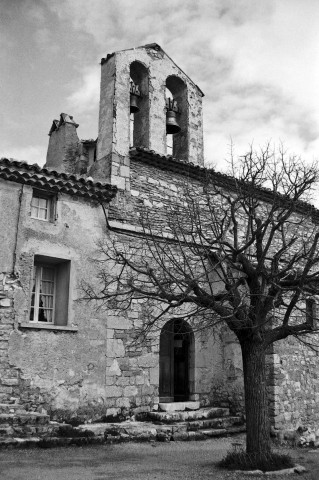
5,302
10,381
192,405
119,182
152,181
154,375
123,402
109,333
147,360
112,412
118,322
139,380
147,389
180,407
109,381
5,328
124,171
113,391
115,348
115,368
299,469
123,381
130,391
5,389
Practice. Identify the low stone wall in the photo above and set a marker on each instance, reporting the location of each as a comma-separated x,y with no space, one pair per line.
8,374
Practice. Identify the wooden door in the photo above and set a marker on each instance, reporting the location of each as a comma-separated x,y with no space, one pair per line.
174,362
166,377
181,380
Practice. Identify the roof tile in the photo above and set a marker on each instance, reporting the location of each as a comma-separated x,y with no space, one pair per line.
51,180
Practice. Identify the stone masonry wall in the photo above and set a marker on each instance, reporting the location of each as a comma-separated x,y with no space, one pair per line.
90,371
93,371
220,376
294,385
8,373
293,389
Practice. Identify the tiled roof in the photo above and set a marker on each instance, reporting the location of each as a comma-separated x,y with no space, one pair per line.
167,162
50,180
171,164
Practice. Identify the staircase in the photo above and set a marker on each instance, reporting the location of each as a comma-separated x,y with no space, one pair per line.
17,426
187,421
173,421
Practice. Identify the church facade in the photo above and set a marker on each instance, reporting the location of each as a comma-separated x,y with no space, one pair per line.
64,356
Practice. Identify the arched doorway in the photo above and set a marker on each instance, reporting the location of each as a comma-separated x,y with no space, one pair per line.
176,362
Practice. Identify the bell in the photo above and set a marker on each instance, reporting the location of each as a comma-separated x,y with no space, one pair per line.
171,123
134,108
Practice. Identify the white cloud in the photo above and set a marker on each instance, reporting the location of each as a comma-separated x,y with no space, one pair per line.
257,62
30,154
85,97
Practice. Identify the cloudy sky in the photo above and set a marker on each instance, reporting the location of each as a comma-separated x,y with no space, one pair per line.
256,61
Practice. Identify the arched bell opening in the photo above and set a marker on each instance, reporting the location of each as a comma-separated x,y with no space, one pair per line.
176,117
139,105
177,358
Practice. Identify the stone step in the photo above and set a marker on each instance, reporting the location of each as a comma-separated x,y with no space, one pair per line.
11,431
11,408
50,436
4,397
178,406
29,418
202,413
214,423
23,442
143,431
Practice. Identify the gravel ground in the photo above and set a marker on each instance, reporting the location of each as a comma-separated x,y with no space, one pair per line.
155,461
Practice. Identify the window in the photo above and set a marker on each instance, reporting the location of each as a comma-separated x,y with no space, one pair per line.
50,291
311,312
43,294
43,206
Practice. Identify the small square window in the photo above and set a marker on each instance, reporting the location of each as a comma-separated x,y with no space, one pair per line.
50,291
43,206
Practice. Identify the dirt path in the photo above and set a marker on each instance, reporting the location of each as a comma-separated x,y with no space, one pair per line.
158,461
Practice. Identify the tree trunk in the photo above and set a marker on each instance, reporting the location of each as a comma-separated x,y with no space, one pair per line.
256,401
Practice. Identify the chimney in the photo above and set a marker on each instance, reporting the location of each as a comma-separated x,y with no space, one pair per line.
64,145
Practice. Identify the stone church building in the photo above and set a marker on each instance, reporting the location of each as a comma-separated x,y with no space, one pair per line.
63,356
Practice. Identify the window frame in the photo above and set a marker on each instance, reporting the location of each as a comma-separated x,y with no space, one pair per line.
38,280
51,206
311,311
61,293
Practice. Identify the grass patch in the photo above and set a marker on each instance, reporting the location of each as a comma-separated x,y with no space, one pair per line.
247,461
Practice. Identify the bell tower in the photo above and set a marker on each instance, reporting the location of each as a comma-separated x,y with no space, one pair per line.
146,101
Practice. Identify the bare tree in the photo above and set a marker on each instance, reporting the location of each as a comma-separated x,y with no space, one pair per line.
240,249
